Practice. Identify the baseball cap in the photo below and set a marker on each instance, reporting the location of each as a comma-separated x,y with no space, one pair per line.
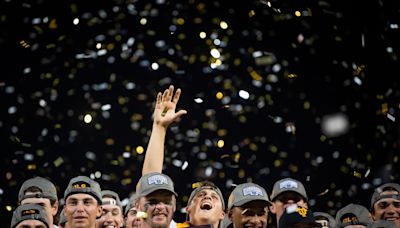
244,193
353,214
377,195
131,203
206,185
382,224
295,214
83,184
46,187
114,198
325,216
154,181
288,184
29,212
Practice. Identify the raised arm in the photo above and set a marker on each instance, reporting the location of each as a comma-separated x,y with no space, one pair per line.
164,114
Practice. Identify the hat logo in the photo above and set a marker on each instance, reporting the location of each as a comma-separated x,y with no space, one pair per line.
288,184
30,212
302,211
157,180
80,185
110,202
350,219
252,191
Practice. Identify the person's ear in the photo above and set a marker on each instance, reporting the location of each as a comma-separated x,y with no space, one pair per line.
54,208
272,208
222,215
99,211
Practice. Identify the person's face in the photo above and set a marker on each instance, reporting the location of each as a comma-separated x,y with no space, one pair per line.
160,208
131,219
250,215
111,216
205,208
81,210
31,224
387,209
285,199
51,210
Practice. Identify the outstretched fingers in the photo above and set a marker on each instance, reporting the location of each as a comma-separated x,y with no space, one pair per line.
159,98
165,95
177,96
170,93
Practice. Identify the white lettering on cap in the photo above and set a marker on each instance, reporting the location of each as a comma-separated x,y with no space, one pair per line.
157,179
252,191
288,184
110,202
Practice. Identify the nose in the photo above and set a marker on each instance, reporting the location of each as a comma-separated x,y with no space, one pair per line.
256,220
207,197
160,206
80,207
108,216
391,209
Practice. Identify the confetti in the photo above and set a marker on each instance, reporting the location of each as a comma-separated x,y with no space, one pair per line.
270,90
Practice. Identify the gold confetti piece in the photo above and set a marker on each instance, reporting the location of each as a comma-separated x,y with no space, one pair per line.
196,185
164,112
252,13
357,174
58,162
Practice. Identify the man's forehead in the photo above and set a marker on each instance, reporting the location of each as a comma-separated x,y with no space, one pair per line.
81,196
210,190
159,195
108,207
31,222
388,200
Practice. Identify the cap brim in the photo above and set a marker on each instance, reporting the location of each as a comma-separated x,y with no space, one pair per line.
145,193
247,200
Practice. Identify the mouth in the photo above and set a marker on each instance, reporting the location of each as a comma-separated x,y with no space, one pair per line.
79,218
391,218
248,226
206,205
159,216
109,226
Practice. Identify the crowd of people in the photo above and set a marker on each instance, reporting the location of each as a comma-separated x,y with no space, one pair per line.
87,205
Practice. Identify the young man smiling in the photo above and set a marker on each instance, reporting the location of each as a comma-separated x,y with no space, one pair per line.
111,216
205,206
385,203
248,206
82,202
157,199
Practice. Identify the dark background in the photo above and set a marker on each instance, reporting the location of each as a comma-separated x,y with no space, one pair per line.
335,57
